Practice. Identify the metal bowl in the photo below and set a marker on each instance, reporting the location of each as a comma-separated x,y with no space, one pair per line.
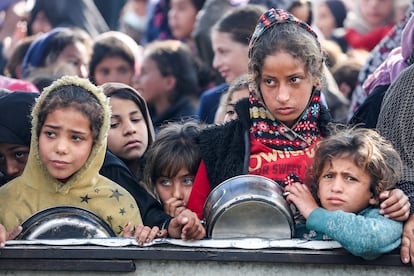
248,206
65,222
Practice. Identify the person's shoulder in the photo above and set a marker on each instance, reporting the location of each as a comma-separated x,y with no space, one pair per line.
218,89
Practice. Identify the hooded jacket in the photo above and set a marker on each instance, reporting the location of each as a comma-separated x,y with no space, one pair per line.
36,190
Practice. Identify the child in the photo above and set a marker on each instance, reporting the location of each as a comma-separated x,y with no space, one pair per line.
181,19
171,164
281,124
349,171
238,90
169,81
131,130
130,135
15,133
63,51
114,58
69,129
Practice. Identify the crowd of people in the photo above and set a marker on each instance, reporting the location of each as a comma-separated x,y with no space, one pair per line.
136,110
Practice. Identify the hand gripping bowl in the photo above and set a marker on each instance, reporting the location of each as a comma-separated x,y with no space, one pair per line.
64,222
248,206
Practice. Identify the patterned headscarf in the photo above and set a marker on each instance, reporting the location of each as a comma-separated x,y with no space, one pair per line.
276,16
264,126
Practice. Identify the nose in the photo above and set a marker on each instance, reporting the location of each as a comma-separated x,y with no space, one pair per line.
216,62
61,146
283,94
337,185
129,128
178,191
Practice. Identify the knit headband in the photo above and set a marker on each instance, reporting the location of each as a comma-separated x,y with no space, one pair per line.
273,17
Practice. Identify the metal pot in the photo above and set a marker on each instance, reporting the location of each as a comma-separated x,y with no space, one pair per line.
248,206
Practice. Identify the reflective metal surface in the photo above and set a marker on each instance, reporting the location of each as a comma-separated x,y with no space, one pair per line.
248,206
65,223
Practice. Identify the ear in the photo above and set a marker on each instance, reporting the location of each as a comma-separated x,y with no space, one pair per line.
373,201
170,82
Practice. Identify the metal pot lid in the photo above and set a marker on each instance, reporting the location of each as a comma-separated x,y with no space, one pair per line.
65,222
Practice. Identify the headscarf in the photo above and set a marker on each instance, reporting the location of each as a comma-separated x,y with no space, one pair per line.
15,123
38,51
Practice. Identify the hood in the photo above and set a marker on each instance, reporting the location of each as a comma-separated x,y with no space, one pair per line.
88,174
111,87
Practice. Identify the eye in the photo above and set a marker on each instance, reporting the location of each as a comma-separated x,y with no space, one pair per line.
230,112
295,79
114,125
21,154
136,120
164,182
123,70
327,176
77,138
188,181
351,178
49,134
269,82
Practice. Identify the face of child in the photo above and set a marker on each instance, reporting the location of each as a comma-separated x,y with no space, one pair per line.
151,83
230,108
376,12
325,20
177,187
65,142
41,24
113,69
286,89
128,134
77,55
344,186
13,158
181,18
230,57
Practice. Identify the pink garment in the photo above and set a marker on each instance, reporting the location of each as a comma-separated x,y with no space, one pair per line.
396,61
17,85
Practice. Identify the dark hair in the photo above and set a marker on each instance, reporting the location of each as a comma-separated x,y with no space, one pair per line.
63,39
17,56
174,58
75,96
175,147
110,46
240,22
369,150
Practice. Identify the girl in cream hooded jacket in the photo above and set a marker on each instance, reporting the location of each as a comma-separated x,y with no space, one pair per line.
36,189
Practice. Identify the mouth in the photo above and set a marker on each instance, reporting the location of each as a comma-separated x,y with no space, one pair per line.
335,200
285,110
132,144
59,163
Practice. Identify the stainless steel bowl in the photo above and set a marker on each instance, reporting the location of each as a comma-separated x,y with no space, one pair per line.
65,222
248,206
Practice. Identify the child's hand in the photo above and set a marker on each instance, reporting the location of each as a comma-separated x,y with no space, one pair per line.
143,234
5,236
407,242
174,206
300,195
186,226
396,205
